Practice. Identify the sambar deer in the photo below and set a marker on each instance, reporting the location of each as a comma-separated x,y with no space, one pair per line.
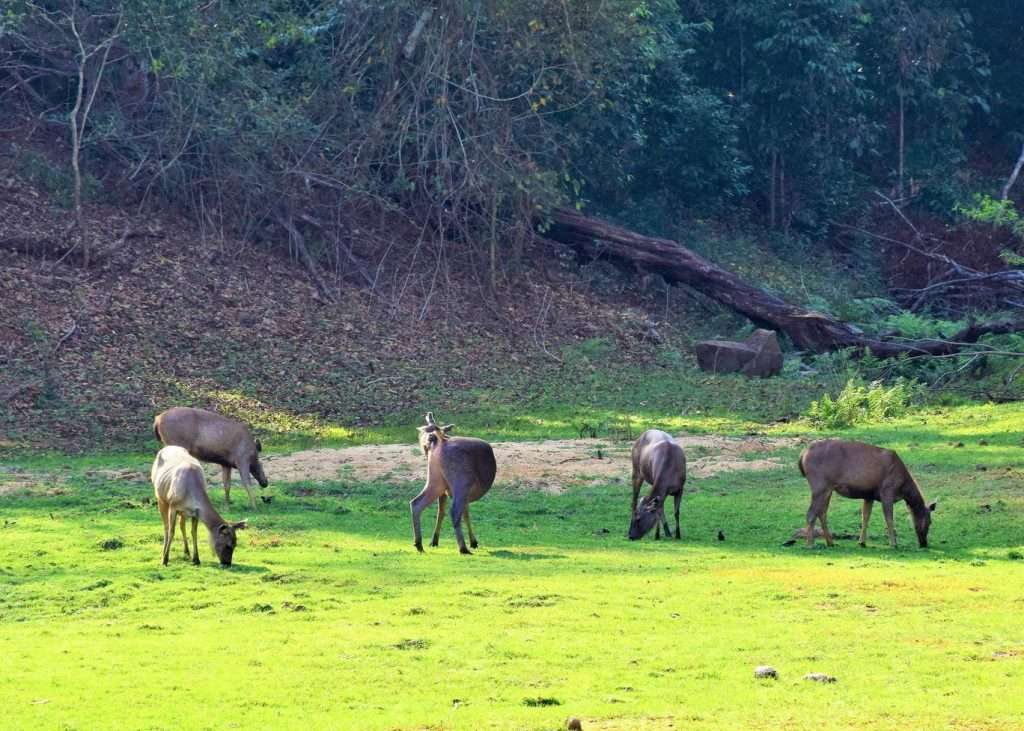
210,437
862,472
460,468
659,460
180,487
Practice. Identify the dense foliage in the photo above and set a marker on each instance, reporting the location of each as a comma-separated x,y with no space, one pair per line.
466,120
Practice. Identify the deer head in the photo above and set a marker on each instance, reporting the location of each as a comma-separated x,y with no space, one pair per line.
432,433
224,539
647,514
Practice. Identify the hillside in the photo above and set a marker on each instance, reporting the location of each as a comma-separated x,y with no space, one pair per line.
168,316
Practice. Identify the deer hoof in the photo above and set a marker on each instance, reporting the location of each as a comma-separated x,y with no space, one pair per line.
195,561
466,551
473,544
419,547
433,543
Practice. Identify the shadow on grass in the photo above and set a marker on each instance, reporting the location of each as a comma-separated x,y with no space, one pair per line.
524,556
756,511
241,568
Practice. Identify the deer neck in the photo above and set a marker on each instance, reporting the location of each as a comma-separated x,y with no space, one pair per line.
207,513
435,459
912,497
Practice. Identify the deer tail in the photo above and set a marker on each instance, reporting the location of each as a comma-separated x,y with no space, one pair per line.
800,464
156,429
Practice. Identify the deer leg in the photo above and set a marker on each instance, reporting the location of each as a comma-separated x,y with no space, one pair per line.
887,512
469,527
417,505
195,539
638,481
664,518
225,476
458,508
169,533
184,534
678,498
246,480
824,528
865,516
163,520
441,502
819,506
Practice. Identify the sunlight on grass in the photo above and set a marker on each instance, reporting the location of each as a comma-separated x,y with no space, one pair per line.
556,615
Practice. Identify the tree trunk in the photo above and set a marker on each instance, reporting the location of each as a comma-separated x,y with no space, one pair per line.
76,157
899,178
807,329
1013,175
783,216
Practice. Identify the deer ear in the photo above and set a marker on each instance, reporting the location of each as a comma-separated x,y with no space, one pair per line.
259,446
429,418
931,508
240,525
447,428
422,429
223,528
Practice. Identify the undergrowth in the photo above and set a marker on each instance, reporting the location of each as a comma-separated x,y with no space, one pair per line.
860,403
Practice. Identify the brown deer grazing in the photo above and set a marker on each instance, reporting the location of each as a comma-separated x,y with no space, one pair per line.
180,488
210,437
862,472
659,460
459,468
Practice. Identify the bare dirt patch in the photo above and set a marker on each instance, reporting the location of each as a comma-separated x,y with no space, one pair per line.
550,465
35,485
6,488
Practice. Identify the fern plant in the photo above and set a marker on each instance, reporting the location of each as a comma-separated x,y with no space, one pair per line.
858,403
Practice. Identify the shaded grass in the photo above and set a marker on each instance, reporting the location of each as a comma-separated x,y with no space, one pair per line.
331,619
596,390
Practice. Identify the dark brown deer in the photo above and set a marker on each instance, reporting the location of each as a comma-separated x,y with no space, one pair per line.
180,487
210,437
659,460
862,472
460,468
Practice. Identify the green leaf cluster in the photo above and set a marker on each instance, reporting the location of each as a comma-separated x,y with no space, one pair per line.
860,403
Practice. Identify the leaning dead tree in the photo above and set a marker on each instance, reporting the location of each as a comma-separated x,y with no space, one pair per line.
807,329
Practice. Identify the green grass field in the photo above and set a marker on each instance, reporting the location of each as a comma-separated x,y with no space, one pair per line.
330,619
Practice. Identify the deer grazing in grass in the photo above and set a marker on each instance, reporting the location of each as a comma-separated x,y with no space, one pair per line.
460,468
659,460
210,437
180,487
862,472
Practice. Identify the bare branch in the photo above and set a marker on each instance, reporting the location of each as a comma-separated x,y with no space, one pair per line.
1013,175
409,50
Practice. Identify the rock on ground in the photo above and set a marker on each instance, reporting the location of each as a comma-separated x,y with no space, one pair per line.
759,355
820,678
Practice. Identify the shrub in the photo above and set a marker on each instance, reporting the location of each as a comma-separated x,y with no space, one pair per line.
917,327
861,404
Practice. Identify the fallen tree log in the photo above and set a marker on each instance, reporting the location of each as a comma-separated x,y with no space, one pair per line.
809,330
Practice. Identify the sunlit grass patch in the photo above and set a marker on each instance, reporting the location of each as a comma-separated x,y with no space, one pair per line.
556,615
